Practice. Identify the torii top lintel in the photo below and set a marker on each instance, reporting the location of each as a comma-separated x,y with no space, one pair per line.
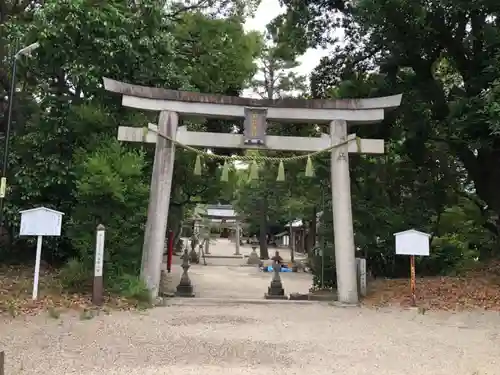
214,105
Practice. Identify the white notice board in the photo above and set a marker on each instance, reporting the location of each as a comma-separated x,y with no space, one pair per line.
41,221
412,242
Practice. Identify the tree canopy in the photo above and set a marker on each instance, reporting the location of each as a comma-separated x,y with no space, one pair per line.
439,173
64,152
443,142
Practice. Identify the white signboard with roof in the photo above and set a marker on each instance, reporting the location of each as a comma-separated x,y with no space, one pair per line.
40,221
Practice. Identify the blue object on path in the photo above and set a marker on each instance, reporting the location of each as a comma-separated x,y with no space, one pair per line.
283,269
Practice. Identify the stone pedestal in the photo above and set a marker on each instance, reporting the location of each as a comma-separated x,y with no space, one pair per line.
166,287
193,256
185,288
253,259
275,290
193,242
178,248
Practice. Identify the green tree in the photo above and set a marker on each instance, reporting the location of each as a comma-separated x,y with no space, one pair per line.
260,201
409,42
276,77
442,142
217,56
110,188
62,115
264,201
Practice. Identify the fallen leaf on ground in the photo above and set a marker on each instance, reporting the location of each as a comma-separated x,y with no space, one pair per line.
476,289
16,285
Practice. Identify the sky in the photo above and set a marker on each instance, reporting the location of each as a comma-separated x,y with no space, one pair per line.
268,10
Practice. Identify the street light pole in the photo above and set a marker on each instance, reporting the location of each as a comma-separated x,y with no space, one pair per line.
3,180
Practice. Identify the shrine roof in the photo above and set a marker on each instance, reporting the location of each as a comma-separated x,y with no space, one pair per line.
218,211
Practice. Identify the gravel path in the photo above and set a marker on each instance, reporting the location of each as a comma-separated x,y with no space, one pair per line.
238,282
202,338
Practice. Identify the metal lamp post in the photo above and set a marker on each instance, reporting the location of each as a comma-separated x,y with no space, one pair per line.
26,51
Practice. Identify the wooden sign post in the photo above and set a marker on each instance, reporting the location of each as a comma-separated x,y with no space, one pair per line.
412,242
361,266
412,280
98,285
40,222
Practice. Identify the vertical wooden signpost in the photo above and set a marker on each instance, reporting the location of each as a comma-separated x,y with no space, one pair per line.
39,222
412,242
98,284
3,188
413,282
361,266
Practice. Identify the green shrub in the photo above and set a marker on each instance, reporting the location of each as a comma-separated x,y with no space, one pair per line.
75,276
328,273
131,287
451,254
326,240
111,189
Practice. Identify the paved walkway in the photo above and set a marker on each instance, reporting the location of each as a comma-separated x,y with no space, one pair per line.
254,340
231,278
239,282
221,247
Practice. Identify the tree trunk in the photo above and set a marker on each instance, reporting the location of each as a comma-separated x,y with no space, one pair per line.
314,228
305,231
303,240
311,235
175,224
264,252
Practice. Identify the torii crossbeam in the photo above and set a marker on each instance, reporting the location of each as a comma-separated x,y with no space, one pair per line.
226,140
256,112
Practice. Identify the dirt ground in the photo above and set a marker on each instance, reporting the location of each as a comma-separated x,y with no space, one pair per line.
197,337
231,329
227,277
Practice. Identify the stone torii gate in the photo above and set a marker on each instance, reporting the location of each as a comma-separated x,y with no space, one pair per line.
171,104
216,212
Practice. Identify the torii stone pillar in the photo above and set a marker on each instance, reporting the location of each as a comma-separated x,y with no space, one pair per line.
159,201
256,113
345,260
